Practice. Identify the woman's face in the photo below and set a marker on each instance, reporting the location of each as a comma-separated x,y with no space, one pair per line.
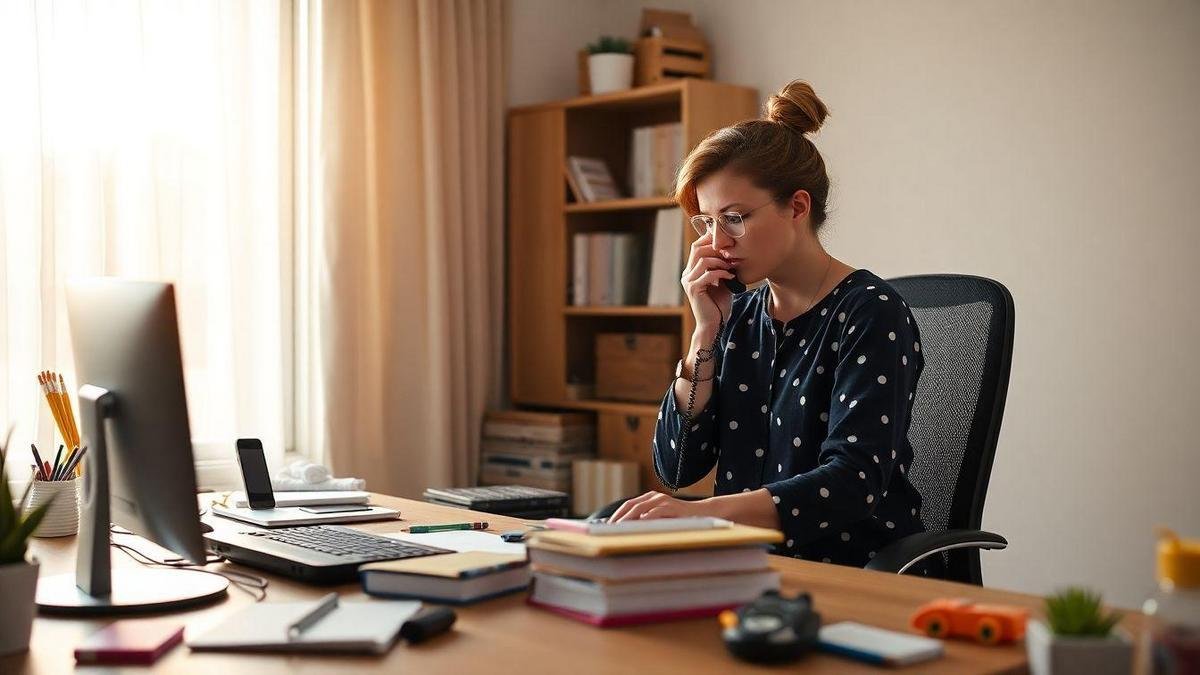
770,230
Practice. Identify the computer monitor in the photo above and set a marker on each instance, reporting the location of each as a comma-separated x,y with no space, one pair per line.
138,472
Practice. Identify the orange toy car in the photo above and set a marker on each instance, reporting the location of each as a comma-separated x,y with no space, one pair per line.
959,617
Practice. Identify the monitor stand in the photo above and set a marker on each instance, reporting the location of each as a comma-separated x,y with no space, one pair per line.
96,588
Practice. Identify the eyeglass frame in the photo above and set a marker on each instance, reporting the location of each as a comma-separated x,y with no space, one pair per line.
723,222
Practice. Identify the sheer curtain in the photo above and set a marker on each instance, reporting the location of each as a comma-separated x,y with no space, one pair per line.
150,140
400,252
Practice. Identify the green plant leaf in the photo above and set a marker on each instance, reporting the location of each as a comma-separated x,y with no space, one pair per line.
608,44
12,545
1078,611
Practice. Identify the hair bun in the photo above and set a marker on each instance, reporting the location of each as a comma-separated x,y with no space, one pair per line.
797,107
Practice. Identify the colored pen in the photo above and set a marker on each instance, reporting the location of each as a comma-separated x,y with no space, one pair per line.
39,462
424,529
62,472
54,467
75,461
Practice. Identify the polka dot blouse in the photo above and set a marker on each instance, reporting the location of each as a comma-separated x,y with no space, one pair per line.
816,411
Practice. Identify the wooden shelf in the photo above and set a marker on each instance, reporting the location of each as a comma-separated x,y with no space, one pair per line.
619,407
551,344
622,310
667,93
627,204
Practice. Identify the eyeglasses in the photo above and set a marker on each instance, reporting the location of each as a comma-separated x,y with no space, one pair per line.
732,223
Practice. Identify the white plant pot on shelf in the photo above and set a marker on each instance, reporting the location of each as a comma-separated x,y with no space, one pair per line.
18,585
1051,654
610,72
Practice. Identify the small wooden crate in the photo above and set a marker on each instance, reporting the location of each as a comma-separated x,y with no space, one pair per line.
635,366
660,58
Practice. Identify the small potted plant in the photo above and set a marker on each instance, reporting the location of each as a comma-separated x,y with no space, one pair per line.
1079,636
18,577
610,65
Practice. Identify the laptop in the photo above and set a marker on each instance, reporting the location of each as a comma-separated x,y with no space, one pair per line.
319,554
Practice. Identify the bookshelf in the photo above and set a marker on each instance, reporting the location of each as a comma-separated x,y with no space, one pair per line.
551,341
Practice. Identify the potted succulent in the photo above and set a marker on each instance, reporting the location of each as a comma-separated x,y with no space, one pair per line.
18,577
1079,636
610,65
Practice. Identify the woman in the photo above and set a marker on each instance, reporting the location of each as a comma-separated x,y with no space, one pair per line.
803,387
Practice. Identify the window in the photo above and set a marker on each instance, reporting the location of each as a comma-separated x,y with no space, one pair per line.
151,140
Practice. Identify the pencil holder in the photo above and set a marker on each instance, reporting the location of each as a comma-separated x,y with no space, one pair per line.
62,519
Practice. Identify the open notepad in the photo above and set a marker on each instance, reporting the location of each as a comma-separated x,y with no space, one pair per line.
363,627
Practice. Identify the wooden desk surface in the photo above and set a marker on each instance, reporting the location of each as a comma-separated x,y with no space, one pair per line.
507,636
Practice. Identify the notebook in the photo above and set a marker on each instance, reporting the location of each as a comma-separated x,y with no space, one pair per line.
637,526
308,498
130,641
291,516
456,578
648,565
576,543
360,627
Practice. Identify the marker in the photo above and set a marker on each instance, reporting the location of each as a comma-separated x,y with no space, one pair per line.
424,529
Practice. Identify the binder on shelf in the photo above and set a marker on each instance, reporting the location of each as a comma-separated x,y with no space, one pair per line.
666,262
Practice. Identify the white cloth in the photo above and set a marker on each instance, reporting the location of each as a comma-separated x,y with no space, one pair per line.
306,476
307,471
285,484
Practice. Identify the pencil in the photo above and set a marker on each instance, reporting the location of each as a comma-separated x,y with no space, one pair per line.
64,420
62,385
51,400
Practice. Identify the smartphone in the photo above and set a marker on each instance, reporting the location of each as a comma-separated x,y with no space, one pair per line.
335,508
254,473
734,285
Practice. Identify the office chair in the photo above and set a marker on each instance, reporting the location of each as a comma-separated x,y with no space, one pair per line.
966,326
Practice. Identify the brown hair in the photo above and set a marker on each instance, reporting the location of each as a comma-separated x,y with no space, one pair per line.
773,152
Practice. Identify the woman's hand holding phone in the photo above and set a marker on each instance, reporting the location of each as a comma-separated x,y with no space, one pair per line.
703,282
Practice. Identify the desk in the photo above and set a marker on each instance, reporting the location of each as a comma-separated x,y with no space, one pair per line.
507,636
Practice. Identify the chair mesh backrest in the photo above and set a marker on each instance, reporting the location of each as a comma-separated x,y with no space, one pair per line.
966,326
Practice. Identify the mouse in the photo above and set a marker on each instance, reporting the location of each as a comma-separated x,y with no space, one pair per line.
205,527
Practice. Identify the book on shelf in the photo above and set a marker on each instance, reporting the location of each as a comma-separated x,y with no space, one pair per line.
666,261
609,269
592,177
654,158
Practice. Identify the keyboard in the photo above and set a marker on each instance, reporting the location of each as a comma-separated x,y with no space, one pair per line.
344,542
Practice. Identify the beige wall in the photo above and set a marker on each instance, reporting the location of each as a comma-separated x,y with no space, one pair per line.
1052,146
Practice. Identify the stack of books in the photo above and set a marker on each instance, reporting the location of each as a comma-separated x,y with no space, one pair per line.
614,578
534,449
517,501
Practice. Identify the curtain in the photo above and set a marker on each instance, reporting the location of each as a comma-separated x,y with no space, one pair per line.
399,224
150,140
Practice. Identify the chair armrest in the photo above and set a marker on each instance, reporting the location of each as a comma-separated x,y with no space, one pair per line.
901,554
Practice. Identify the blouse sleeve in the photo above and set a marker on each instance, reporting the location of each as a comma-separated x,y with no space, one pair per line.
878,363
702,450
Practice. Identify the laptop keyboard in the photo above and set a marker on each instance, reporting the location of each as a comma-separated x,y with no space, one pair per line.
348,543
